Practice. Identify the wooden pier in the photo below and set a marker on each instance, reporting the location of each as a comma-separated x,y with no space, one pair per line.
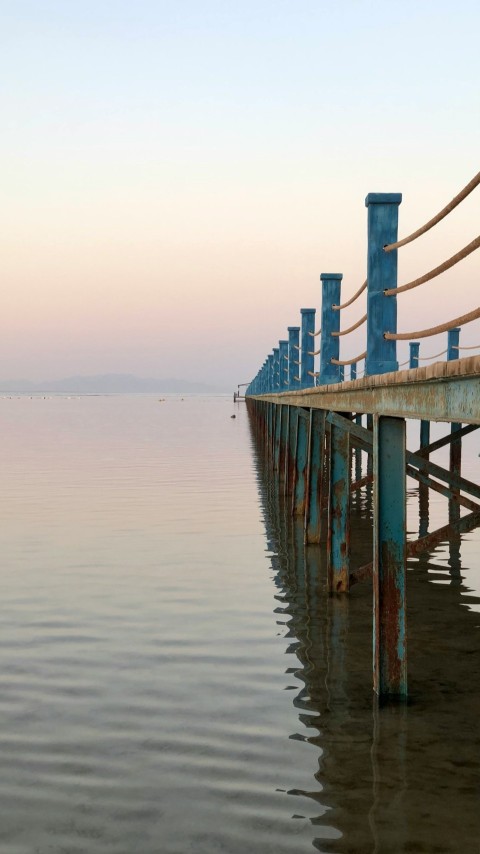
314,424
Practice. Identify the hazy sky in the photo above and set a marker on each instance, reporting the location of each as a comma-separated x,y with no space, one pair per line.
178,174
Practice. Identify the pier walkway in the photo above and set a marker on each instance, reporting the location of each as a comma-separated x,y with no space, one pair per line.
315,425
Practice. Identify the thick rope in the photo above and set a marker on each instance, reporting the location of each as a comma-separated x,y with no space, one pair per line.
314,334
297,379
350,328
285,357
443,213
475,347
467,250
352,299
425,358
295,362
313,374
434,330
313,352
349,361
402,364
296,347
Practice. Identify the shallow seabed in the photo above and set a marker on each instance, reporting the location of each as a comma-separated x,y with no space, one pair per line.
174,677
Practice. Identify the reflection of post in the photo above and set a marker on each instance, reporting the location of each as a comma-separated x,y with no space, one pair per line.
389,558
316,481
387,817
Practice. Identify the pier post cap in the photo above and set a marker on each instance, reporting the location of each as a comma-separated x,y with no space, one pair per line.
293,329
383,199
324,276
283,341
307,310
275,349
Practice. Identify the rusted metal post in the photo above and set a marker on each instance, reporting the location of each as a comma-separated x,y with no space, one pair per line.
389,559
330,345
290,450
338,538
456,444
358,420
381,274
300,471
423,493
307,360
293,357
315,476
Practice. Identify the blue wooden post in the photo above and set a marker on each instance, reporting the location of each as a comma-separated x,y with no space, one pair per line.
338,538
270,373
353,371
293,357
300,471
414,354
283,361
307,361
315,476
381,274
329,345
389,559
276,372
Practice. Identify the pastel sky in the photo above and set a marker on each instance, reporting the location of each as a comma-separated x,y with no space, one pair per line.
178,174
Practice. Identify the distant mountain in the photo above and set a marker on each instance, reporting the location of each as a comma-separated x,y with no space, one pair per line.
110,384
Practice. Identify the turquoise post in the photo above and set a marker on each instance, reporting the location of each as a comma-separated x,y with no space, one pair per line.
270,373
315,476
276,371
293,357
381,274
307,360
389,559
283,361
329,345
414,354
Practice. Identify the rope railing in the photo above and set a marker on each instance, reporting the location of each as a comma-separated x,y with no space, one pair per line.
475,347
459,256
443,213
349,361
435,356
434,330
352,299
380,354
350,328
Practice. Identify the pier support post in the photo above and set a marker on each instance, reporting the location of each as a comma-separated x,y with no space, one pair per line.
389,559
456,445
329,344
315,476
290,450
381,274
277,435
338,539
300,470
283,442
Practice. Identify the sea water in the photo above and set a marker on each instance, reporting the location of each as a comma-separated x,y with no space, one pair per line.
174,677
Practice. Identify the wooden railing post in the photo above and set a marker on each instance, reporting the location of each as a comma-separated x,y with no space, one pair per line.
276,371
308,328
329,345
283,364
293,356
381,274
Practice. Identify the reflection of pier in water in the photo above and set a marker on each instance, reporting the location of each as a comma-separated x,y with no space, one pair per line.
393,778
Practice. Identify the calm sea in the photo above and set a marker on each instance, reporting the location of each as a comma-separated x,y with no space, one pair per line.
173,676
